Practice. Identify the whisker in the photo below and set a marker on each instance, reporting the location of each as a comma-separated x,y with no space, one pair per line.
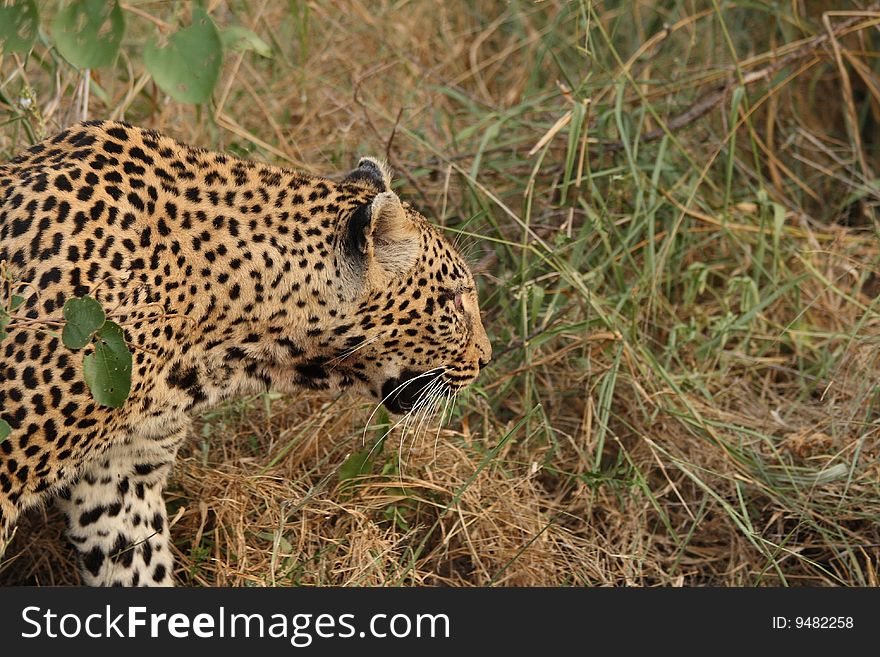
400,446
413,414
385,435
429,411
438,371
419,412
353,350
424,408
436,394
403,420
447,395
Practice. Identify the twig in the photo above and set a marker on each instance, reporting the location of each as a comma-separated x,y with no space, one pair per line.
391,159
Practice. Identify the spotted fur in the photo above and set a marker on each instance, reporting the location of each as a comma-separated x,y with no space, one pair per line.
228,277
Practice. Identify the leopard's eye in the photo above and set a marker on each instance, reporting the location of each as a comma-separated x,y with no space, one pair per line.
453,296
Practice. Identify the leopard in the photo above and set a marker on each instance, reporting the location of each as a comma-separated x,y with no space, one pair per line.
229,277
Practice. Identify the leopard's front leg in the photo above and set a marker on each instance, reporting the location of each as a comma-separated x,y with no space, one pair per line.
116,515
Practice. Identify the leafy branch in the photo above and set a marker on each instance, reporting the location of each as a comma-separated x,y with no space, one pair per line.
88,34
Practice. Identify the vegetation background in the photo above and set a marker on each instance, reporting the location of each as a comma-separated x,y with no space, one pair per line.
672,209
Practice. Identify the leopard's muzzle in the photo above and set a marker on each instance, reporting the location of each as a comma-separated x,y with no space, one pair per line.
402,393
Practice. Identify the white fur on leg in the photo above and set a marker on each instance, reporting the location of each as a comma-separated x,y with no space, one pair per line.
117,519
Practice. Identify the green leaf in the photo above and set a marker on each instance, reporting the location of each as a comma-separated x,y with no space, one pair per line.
362,462
108,371
18,26
4,322
188,67
241,39
284,546
88,32
15,302
84,316
355,465
5,430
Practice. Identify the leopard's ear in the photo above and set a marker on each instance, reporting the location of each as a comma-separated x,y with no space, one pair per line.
394,235
371,172
389,221
381,237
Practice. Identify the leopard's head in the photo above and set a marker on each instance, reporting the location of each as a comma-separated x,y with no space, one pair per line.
414,330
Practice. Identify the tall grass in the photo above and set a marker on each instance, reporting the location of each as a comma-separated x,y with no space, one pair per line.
672,210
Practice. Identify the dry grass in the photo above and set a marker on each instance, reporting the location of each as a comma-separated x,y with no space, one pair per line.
673,210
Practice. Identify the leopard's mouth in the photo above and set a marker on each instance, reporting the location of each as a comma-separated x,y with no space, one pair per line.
403,393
